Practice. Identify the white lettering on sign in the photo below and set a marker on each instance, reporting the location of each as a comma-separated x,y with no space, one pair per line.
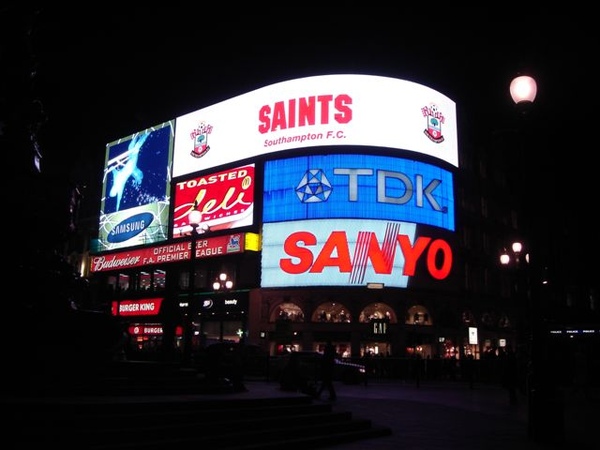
152,330
129,307
102,263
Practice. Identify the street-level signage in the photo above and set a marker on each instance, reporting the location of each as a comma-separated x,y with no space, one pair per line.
142,307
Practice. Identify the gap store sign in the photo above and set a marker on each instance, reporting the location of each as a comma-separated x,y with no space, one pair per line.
358,186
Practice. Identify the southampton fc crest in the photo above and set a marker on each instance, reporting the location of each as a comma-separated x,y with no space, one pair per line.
200,137
435,119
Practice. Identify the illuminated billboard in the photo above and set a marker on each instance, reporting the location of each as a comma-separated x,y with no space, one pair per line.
225,200
169,253
355,252
315,112
135,191
358,186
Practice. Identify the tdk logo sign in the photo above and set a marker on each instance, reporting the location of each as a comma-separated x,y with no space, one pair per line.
358,186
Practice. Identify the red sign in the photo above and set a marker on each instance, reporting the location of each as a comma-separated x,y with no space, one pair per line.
215,246
224,199
144,329
150,329
144,307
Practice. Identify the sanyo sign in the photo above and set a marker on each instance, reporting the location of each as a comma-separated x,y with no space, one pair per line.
349,253
328,110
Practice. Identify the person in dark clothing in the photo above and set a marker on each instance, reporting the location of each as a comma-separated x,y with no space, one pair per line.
293,377
510,376
327,368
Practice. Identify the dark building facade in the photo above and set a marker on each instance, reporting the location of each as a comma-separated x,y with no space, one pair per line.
427,291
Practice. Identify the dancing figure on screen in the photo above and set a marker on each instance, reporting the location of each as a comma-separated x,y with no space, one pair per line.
126,167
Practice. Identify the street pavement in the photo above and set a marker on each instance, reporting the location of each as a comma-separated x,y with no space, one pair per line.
451,415
435,415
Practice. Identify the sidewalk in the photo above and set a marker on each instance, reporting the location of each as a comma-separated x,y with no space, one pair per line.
432,416
450,415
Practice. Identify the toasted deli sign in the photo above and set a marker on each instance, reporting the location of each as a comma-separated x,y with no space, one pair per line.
233,243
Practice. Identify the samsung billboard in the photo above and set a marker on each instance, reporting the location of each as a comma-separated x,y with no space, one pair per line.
136,187
358,186
327,110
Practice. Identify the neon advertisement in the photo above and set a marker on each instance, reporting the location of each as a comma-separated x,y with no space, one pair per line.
347,109
358,186
225,200
350,253
135,197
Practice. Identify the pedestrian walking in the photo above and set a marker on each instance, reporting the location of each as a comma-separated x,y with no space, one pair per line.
327,370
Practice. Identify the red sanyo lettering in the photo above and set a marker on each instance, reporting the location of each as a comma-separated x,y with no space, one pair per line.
336,253
305,111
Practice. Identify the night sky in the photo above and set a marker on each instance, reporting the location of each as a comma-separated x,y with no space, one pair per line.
104,72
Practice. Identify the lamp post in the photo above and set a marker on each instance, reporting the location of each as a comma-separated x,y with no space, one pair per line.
194,219
222,283
520,287
517,260
523,89
545,408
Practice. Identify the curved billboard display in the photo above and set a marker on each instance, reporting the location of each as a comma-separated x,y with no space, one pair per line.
357,252
358,186
315,112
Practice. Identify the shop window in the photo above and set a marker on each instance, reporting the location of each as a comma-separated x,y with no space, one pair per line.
487,319
112,283
159,280
418,315
288,311
145,281
468,318
124,282
377,311
504,321
332,312
184,280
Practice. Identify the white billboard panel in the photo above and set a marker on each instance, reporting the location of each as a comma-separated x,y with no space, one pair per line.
326,110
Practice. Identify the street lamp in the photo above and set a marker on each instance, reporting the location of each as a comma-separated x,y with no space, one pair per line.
517,248
194,219
529,333
222,282
544,407
523,89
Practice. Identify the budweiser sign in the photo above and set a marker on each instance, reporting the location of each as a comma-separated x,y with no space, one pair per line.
181,251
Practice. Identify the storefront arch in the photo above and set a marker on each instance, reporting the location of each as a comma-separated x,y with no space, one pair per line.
377,311
331,312
418,315
288,311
